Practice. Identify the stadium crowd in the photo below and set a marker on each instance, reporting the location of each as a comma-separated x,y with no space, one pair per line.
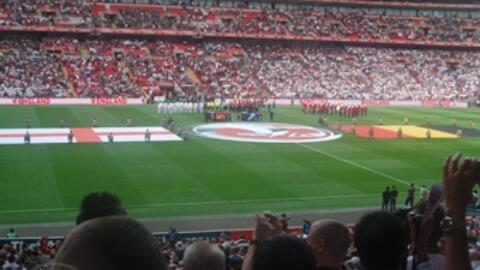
27,71
357,24
132,68
427,236
76,13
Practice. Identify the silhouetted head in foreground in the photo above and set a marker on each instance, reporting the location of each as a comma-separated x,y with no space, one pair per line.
110,243
99,204
381,240
203,256
283,252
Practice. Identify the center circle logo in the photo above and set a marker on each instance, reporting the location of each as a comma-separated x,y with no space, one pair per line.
265,132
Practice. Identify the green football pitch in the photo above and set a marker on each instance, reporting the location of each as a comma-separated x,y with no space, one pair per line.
201,176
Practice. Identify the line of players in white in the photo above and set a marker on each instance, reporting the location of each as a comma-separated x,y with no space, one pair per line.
27,137
180,107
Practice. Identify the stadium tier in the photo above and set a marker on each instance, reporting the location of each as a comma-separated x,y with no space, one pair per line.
70,67
305,22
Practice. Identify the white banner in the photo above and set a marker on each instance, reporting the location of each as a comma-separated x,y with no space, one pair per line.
71,101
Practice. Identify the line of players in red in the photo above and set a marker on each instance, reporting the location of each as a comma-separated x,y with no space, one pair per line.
342,110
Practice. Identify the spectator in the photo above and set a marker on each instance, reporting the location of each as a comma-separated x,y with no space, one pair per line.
306,226
381,241
283,252
203,256
423,193
11,234
410,196
330,241
474,201
172,235
235,259
386,199
284,222
99,204
393,199
114,242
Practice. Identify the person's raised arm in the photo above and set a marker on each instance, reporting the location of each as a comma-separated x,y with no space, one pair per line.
266,225
458,182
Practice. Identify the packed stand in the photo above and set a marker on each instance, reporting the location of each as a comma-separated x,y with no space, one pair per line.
358,24
74,13
243,20
67,67
132,68
281,70
27,71
97,76
365,73
396,74
224,69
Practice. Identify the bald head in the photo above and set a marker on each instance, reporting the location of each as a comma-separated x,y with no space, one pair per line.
110,243
330,241
203,256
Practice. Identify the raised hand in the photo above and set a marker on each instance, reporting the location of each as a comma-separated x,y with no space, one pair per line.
267,225
458,182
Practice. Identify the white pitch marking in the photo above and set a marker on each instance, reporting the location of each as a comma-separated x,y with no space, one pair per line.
22,131
129,129
158,205
140,138
60,135
396,179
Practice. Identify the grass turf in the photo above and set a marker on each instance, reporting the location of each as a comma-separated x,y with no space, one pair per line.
45,183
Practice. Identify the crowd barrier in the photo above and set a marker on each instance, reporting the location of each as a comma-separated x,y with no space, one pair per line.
235,234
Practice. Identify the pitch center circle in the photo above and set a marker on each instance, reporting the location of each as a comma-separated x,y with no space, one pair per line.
265,132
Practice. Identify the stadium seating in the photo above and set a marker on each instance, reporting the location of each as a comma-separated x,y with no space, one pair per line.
133,68
28,71
357,25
